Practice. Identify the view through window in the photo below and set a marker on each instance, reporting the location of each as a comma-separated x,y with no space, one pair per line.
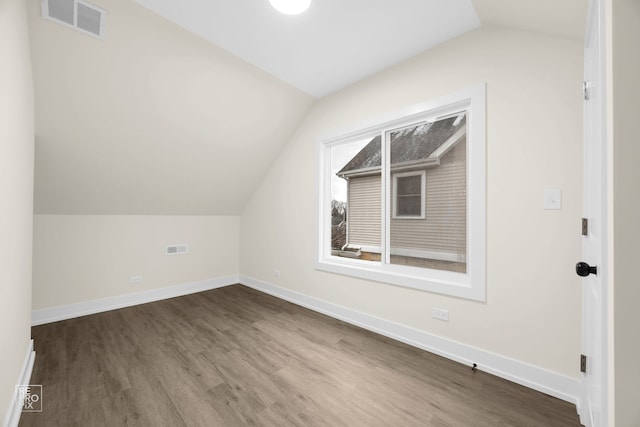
427,197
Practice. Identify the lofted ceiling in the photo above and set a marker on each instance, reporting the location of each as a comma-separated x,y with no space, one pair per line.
151,120
337,42
184,105
560,18
331,45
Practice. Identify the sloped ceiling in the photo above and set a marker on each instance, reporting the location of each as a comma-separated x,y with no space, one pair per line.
157,119
151,120
333,44
336,42
561,18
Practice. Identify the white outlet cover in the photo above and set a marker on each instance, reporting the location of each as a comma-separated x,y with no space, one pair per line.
440,314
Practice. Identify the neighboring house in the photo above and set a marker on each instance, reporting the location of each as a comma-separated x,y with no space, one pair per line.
428,226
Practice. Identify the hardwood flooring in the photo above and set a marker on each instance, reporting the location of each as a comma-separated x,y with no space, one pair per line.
238,357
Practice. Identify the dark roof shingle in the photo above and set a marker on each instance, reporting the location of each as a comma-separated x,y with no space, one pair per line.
408,144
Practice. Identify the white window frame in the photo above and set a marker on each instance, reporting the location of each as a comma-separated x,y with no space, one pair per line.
470,285
423,193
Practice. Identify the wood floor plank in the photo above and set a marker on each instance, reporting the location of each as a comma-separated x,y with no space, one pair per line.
237,357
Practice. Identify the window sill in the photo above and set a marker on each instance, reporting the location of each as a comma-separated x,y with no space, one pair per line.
428,280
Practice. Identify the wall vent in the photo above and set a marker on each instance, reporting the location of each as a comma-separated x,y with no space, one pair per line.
77,14
180,249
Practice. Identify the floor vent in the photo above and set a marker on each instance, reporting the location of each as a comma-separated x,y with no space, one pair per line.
181,249
77,14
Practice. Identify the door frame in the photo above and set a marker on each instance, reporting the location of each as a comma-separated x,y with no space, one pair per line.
599,83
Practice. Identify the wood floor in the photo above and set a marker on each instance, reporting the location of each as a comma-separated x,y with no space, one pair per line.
238,357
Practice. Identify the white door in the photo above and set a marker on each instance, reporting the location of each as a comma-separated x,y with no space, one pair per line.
593,408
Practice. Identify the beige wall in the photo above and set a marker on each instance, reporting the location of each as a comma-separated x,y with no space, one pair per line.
16,195
626,209
534,108
77,258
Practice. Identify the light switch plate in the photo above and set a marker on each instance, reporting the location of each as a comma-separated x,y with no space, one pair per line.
553,199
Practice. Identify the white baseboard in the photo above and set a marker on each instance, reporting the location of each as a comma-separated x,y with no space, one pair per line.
15,410
539,379
54,314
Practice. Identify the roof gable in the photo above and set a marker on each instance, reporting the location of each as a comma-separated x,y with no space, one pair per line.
408,145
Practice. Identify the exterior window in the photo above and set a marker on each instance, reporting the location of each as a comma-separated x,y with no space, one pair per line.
403,202
409,188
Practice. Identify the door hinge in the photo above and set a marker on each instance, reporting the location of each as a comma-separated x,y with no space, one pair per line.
585,227
586,90
583,363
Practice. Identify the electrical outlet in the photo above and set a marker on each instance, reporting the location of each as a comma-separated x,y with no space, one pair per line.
135,279
276,273
180,249
440,314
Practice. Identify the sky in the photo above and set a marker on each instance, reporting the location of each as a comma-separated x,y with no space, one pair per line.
340,156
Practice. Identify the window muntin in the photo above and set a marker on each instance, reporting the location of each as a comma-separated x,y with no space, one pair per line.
456,268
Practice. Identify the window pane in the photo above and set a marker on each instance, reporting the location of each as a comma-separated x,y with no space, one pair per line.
439,239
409,205
356,200
409,185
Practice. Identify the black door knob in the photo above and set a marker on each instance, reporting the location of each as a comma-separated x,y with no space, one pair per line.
583,269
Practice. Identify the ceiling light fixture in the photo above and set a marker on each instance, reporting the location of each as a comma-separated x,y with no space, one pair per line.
290,7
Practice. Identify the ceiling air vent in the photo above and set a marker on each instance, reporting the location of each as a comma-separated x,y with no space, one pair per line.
77,14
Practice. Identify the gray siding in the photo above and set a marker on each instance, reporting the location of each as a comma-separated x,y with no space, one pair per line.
363,213
445,227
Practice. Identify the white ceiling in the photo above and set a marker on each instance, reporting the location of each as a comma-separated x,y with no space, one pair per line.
336,42
331,45
561,18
